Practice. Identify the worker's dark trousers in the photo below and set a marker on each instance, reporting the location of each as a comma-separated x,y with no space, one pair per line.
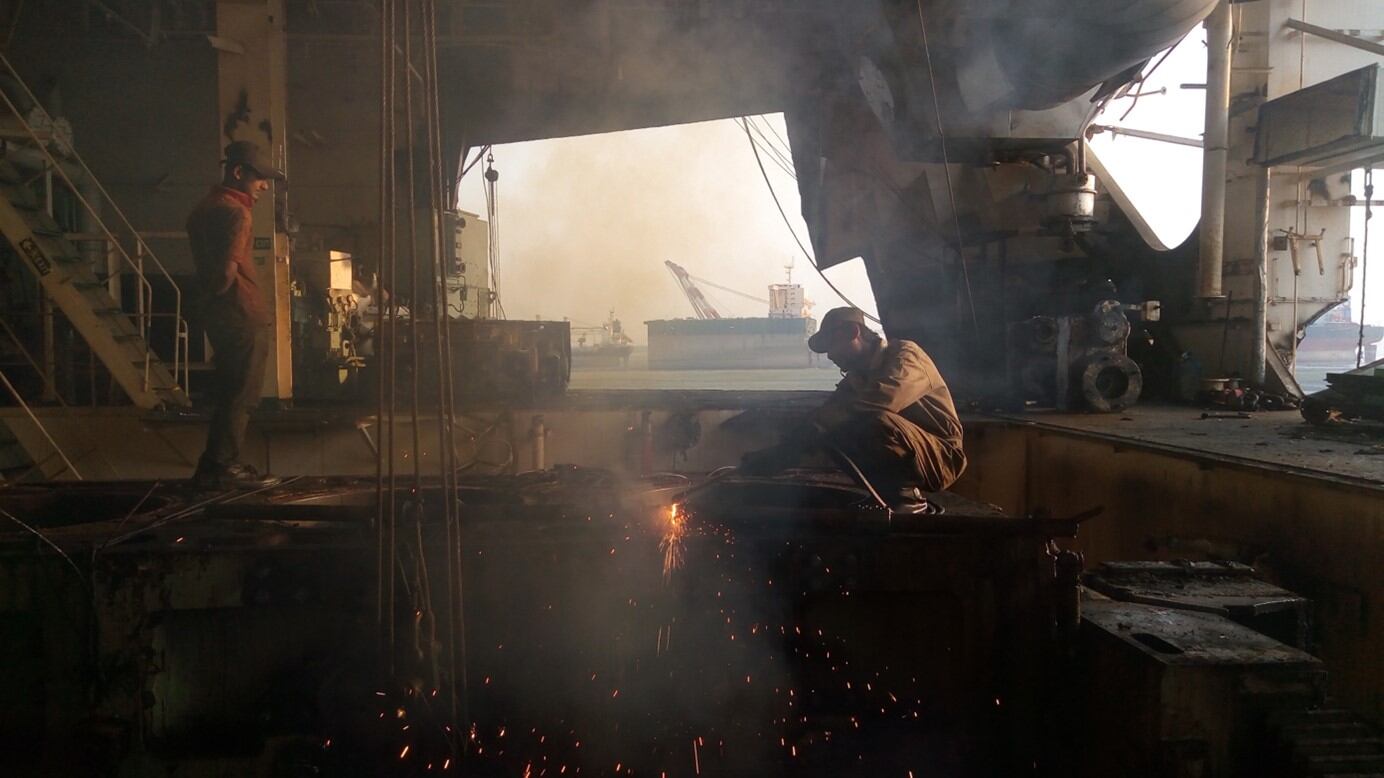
238,362
895,454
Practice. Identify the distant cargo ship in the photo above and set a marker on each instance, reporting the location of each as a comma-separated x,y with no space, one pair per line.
711,342
1332,340
603,346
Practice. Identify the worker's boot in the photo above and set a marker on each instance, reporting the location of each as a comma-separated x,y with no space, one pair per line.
240,476
235,476
909,501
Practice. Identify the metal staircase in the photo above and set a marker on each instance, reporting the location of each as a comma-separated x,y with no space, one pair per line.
119,339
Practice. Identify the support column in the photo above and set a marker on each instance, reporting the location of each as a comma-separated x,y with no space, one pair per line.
252,97
1259,348
1212,236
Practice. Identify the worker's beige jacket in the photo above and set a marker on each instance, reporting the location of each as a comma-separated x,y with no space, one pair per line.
902,383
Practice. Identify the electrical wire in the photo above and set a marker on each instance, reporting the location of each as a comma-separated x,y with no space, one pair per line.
946,170
1144,77
784,215
44,538
784,159
778,157
783,142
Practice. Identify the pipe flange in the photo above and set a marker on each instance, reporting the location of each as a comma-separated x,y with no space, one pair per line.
1111,382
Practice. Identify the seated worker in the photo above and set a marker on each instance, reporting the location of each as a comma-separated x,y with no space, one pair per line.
891,415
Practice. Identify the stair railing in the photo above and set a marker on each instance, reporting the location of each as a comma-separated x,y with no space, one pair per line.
39,424
142,250
67,410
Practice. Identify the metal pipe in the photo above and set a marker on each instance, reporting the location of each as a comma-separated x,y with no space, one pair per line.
1161,137
1212,237
1337,36
1260,331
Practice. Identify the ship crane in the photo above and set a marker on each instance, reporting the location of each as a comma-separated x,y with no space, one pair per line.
700,304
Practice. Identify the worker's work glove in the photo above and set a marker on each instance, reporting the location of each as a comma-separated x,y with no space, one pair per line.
766,461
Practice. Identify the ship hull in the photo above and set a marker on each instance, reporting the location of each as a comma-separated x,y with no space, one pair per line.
722,344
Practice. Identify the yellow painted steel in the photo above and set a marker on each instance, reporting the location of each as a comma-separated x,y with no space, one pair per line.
74,288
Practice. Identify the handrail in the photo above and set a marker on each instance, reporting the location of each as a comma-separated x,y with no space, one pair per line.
182,331
50,385
142,248
53,161
39,424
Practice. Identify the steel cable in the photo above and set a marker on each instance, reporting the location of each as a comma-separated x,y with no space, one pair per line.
784,214
379,316
446,420
1364,264
946,171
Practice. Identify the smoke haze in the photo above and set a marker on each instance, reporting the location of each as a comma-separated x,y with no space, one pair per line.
586,223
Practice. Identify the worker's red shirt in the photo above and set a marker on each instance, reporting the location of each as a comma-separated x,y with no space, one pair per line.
219,229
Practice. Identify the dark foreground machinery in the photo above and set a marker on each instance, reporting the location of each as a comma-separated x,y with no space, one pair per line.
761,627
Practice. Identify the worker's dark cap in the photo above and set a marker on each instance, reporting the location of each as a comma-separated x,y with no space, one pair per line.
831,323
244,152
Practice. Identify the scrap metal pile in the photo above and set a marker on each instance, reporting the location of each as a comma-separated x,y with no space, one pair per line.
764,626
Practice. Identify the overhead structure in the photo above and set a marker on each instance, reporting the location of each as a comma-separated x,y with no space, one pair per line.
941,141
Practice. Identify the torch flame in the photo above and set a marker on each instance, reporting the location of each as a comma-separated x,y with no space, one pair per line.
671,544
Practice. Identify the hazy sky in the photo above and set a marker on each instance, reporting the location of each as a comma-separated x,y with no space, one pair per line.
586,223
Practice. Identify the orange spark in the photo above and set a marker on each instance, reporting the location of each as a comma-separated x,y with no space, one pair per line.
672,543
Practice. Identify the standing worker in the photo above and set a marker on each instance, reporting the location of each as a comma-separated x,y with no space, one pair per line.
233,311
892,416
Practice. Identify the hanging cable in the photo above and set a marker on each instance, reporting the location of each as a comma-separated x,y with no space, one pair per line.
446,459
783,157
467,169
1365,264
415,295
783,167
782,161
391,342
492,213
782,141
946,170
1143,78
810,260
383,498
46,541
